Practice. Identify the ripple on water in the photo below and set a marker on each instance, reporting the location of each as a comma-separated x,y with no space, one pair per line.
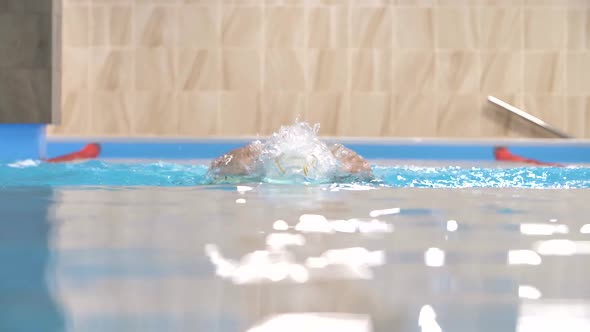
100,173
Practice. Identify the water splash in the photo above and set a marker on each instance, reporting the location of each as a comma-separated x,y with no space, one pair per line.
295,154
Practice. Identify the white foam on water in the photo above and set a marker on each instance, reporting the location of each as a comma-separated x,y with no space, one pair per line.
296,153
25,163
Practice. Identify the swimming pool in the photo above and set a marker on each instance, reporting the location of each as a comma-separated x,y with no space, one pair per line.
412,174
420,163
144,245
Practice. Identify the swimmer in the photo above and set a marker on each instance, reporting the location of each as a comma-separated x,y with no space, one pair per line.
289,155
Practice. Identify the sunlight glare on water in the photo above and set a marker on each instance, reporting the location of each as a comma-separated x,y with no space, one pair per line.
158,246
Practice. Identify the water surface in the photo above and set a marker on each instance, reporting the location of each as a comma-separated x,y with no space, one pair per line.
229,258
175,174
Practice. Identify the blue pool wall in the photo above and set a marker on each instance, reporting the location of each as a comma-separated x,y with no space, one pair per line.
28,141
563,151
22,141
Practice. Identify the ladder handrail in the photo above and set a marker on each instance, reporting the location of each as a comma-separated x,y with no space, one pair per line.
532,119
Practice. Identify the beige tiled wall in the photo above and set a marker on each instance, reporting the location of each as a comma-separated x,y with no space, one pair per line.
359,67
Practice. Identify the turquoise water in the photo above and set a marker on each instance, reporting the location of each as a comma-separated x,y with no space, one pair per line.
100,173
105,246
226,259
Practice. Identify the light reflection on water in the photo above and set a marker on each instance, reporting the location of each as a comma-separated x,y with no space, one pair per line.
294,258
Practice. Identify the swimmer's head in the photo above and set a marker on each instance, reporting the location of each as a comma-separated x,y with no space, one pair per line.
295,154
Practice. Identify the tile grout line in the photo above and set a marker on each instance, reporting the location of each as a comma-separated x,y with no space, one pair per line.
479,70
262,70
391,75
306,55
520,98
90,86
565,86
177,85
134,47
481,91
347,96
436,51
219,93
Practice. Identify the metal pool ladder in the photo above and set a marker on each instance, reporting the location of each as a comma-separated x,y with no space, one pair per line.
531,119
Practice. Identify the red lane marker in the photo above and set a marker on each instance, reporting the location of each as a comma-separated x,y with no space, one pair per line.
502,153
90,151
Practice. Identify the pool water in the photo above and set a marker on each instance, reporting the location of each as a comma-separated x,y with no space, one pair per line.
149,173
104,246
